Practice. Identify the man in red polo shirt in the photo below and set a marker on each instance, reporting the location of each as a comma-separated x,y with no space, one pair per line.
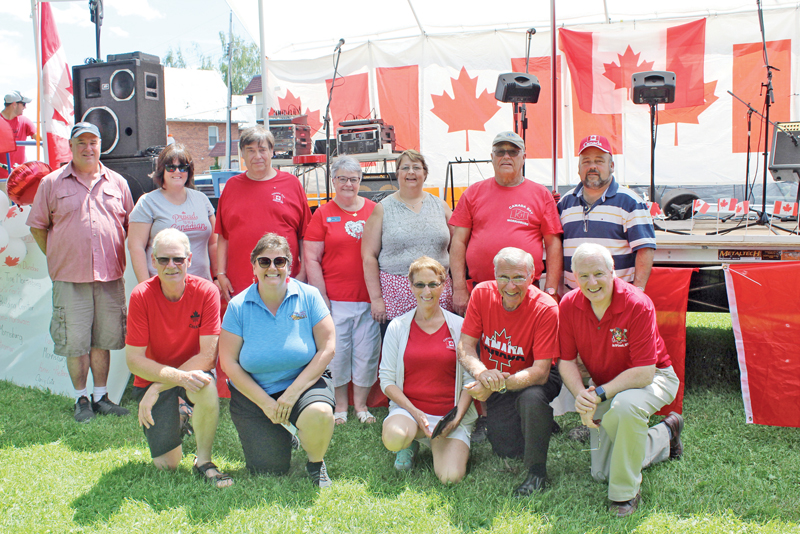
516,326
21,127
612,324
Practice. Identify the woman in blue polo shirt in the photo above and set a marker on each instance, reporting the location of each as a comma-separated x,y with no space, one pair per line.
276,342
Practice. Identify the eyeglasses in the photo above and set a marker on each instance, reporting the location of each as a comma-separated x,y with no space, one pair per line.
179,168
517,280
279,262
421,285
500,152
408,168
344,179
176,261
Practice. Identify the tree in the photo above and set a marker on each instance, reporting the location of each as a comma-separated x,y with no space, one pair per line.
245,62
174,58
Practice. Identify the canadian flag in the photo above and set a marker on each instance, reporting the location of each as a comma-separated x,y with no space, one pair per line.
655,209
601,64
784,209
701,206
742,207
726,204
57,106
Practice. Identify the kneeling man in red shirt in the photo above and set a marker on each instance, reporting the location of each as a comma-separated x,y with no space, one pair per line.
171,347
612,325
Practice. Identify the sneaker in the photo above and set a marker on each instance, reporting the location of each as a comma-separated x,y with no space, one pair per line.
319,478
674,422
83,410
404,461
479,434
105,407
295,443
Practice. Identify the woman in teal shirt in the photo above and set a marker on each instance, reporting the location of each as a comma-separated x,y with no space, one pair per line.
276,342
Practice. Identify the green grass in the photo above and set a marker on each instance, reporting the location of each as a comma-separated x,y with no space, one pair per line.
57,476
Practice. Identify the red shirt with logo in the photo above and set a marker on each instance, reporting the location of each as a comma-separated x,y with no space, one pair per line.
171,330
627,335
502,217
430,370
248,209
341,231
510,341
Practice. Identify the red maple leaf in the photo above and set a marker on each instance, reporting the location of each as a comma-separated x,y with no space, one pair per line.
788,207
723,203
11,262
12,212
691,114
628,65
465,111
291,105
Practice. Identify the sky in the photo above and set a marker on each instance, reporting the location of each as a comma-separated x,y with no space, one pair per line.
150,26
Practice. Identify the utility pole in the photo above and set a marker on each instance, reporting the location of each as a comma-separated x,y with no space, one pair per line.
230,97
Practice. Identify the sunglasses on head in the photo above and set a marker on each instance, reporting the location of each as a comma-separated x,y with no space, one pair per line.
176,261
279,262
179,168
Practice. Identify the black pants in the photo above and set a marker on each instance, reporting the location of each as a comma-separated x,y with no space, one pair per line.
520,422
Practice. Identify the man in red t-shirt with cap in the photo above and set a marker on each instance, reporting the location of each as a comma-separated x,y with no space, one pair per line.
612,324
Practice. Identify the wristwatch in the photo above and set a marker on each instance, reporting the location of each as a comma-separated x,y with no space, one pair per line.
550,291
600,392
503,389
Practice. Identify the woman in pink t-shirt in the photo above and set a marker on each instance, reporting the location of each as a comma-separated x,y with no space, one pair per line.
332,251
420,374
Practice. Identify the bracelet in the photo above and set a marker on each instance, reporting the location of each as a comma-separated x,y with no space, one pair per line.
219,274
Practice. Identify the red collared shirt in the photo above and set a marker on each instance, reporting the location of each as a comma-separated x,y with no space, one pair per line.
627,335
86,227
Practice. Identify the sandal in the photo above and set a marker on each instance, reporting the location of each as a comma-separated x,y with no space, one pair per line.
202,471
185,412
339,418
365,417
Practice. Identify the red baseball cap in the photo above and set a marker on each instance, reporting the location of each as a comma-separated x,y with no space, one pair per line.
595,141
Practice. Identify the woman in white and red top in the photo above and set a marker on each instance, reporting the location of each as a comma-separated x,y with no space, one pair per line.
420,374
332,252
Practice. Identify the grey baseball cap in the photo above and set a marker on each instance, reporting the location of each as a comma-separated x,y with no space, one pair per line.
509,137
15,96
82,128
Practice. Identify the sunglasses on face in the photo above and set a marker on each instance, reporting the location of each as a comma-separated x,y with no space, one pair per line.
176,261
279,262
501,152
179,168
421,285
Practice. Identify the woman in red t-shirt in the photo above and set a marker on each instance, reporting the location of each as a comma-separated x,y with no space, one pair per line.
420,374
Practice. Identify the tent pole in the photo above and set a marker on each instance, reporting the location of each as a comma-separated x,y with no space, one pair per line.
39,81
414,12
263,45
554,93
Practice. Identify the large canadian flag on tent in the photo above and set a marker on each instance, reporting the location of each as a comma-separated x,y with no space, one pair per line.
601,64
58,108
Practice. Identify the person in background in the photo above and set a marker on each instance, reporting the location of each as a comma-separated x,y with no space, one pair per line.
613,326
175,203
421,376
171,348
332,249
79,219
407,224
262,199
21,126
276,343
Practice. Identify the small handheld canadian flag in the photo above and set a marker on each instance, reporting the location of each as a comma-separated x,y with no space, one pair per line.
726,204
784,209
742,207
701,206
655,209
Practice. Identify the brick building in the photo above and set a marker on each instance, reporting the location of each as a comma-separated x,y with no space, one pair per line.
196,102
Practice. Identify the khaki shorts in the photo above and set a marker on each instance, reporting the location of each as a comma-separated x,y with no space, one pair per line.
86,316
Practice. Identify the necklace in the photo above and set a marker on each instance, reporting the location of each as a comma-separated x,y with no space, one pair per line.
410,206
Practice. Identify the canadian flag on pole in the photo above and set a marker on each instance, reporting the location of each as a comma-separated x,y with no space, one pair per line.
784,209
655,209
726,204
742,207
57,106
701,206
601,64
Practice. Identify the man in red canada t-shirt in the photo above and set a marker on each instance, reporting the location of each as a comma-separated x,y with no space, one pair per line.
516,327
21,127
171,347
612,324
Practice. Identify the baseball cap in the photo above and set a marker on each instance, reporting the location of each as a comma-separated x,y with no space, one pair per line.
595,141
16,96
509,137
81,128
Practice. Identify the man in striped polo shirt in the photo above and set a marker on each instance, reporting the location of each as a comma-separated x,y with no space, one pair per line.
601,211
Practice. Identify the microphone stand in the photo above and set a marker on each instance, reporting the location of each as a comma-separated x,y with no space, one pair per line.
327,120
520,110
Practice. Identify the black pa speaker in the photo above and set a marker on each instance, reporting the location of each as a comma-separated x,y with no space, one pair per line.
784,158
136,171
653,87
517,87
125,100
